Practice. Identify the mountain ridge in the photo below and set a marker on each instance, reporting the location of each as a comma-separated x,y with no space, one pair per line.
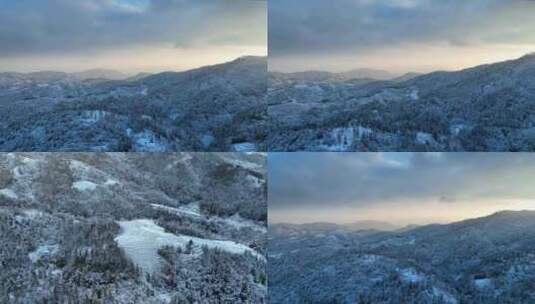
484,108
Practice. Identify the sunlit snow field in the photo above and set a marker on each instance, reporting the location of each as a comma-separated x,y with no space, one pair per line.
142,238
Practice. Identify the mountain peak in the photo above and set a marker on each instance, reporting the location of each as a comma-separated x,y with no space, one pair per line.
250,60
529,55
100,73
513,213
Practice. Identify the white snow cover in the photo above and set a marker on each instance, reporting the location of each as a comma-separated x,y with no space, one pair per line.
91,117
483,283
32,213
255,181
414,94
244,164
446,296
410,275
42,251
142,238
343,139
9,193
369,258
457,128
244,147
84,185
78,166
191,209
239,222
314,88
111,182
424,138
147,141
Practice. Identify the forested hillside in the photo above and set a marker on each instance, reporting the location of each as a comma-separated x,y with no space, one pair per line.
132,228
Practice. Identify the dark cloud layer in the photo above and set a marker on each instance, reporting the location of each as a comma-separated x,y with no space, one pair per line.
34,27
318,27
309,180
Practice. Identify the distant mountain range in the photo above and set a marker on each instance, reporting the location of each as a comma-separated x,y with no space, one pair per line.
49,76
313,228
483,260
485,108
214,108
100,74
323,76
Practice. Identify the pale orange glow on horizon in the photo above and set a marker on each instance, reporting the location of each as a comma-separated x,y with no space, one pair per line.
421,58
133,60
400,214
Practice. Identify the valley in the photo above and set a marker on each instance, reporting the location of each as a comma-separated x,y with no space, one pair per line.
483,260
484,108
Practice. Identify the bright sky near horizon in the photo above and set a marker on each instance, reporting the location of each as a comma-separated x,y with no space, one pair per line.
398,36
400,188
128,35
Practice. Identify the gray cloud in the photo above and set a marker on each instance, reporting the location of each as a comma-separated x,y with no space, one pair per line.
34,27
318,27
309,180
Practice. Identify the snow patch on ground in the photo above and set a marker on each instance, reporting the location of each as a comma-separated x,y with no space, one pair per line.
32,213
244,147
410,275
9,193
28,166
29,161
424,138
207,140
341,139
239,222
255,181
165,297
42,251
414,94
483,283
92,117
446,296
456,129
141,239
369,258
84,186
78,166
191,209
275,256
147,141
111,182
313,88
244,164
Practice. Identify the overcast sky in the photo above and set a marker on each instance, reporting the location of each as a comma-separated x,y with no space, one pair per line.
397,35
128,35
400,188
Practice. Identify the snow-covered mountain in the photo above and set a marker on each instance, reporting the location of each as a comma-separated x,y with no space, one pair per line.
132,228
483,260
317,228
485,108
100,74
213,108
